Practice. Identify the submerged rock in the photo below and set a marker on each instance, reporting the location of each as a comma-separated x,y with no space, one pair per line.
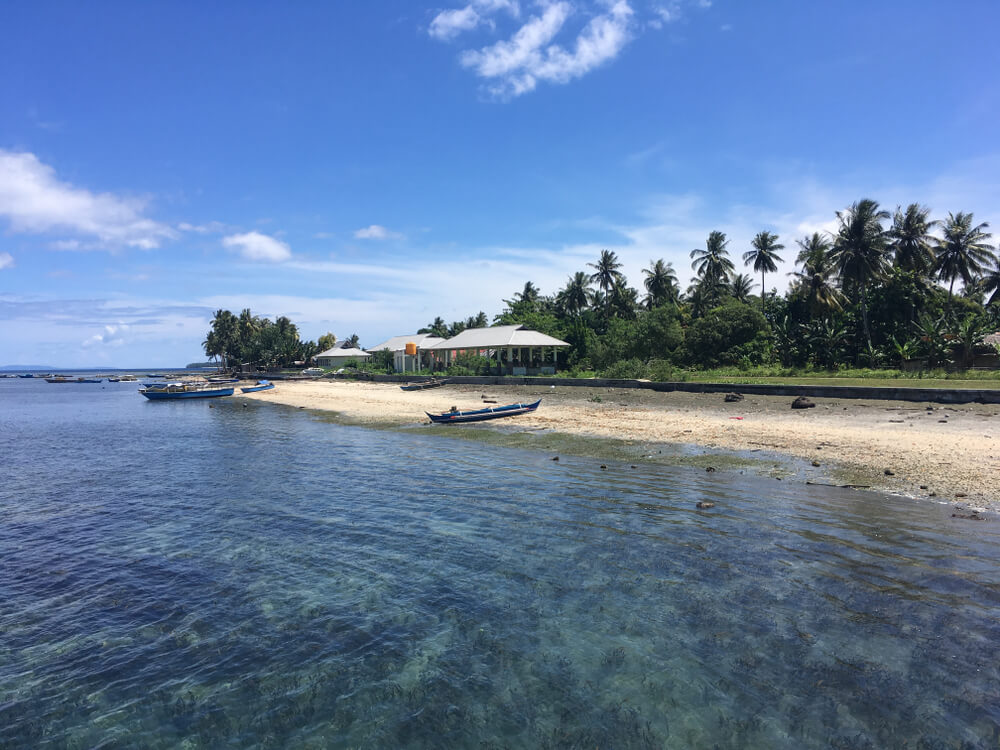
704,505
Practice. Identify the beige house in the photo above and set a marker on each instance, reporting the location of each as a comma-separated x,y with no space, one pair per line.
515,350
338,357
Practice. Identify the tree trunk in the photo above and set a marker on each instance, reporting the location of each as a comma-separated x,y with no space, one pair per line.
762,288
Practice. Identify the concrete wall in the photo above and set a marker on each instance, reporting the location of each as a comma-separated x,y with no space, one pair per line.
936,395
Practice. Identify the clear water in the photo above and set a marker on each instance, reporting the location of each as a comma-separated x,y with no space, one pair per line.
207,575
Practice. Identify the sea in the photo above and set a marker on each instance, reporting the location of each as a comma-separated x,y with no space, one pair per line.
225,573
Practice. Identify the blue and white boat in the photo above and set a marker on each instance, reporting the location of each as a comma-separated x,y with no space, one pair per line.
262,385
481,415
184,390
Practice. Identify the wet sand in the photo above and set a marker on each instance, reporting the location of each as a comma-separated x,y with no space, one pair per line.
948,452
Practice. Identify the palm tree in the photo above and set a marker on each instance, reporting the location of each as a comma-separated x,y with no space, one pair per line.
660,283
763,257
351,342
911,239
859,251
713,263
742,286
963,251
991,283
529,294
814,251
606,273
575,296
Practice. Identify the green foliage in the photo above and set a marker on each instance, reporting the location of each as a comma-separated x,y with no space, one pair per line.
470,364
728,334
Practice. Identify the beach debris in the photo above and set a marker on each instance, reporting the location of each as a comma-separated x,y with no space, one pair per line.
736,417
704,504
489,400
815,463
731,397
802,403
969,516
555,458
604,466
634,466
889,473
960,494
709,468
923,486
931,494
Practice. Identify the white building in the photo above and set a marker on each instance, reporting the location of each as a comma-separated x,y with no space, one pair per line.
338,357
515,350
419,359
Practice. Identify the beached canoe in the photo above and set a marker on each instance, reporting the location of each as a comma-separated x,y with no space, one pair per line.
481,415
423,386
262,385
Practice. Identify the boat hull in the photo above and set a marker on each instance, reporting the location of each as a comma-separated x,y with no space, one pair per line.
482,415
162,395
255,388
423,386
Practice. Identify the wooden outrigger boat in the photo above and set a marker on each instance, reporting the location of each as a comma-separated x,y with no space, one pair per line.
481,415
424,385
184,390
262,385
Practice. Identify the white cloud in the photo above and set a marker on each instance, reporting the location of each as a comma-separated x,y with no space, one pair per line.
450,23
212,226
376,232
257,246
517,65
111,336
34,200
6,260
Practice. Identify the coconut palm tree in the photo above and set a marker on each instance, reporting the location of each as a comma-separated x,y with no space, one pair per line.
742,286
575,296
660,283
606,273
962,251
911,240
763,256
859,252
713,262
814,251
991,283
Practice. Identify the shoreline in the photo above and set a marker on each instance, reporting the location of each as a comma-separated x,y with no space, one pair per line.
945,453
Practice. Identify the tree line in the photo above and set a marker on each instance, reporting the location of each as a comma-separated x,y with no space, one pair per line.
262,343
882,289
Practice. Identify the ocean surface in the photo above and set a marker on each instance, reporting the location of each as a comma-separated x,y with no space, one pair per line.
205,574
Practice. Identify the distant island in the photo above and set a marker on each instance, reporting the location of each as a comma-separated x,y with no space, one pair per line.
27,367
201,365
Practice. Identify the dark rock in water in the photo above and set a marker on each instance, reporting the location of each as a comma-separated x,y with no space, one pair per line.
960,494
704,504
802,403
730,397
555,458
889,473
815,463
604,466
969,516
709,468
923,486
932,494
634,466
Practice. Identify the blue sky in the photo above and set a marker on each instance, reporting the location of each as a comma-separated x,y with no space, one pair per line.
365,167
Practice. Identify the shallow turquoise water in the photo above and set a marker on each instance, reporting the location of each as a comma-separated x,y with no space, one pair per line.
175,575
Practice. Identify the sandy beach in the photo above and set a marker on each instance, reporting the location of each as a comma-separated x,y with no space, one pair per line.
950,453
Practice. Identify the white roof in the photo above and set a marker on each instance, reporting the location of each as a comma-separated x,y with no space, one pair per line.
337,352
398,343
497,336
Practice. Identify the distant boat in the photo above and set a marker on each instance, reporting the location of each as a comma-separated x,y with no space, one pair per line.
67,379
262,385
184,390
481,415
423,386
26,375
222,380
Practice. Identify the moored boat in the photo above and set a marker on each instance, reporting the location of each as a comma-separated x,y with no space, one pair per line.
262,385
481,415
184,390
